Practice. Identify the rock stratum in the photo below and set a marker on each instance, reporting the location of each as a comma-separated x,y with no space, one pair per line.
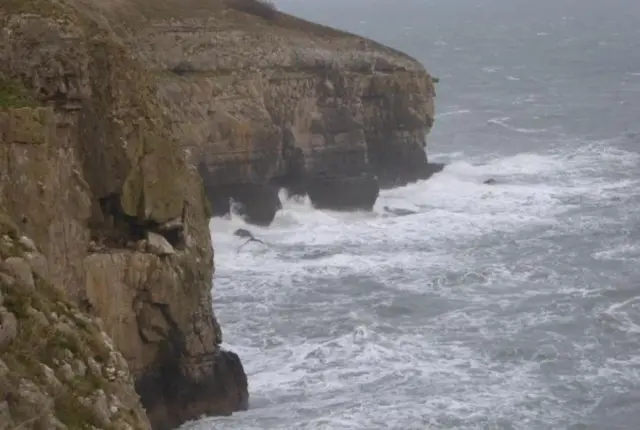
126,124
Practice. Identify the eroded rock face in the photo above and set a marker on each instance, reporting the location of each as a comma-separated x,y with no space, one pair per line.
281,101
46,346
91,170
344,193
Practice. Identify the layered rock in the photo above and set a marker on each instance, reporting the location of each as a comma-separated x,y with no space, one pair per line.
263,100
90,169
58,367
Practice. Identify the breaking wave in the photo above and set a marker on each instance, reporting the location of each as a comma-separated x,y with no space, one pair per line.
502,306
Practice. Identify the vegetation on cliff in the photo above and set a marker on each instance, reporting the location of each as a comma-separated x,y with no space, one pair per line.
58,368
14,94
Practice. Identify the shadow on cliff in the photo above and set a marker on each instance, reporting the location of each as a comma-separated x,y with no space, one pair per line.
258,203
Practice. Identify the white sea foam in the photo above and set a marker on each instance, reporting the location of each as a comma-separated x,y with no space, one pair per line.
453,113
450,317
504,122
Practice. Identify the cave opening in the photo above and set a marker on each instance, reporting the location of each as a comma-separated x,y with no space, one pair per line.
116,229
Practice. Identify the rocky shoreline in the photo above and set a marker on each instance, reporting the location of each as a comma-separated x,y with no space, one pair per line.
124,127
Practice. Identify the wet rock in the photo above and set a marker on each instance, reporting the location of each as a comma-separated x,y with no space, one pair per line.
21,271
256,203
344,193
157,244
220,386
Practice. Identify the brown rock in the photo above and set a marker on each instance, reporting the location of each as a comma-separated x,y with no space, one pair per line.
8,326
21,271
157,244
28,244
38,264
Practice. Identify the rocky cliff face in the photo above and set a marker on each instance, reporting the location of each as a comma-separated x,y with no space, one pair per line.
90,169
58,368
262,100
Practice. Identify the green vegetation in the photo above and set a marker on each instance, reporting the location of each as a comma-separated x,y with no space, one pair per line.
14,94
50,333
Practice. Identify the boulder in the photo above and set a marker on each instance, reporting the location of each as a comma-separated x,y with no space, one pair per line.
21,271
157,244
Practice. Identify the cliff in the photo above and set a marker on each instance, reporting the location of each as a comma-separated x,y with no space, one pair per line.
262,100
120,118
90,169
58,368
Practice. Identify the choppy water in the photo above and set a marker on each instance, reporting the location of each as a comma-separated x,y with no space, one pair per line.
512,306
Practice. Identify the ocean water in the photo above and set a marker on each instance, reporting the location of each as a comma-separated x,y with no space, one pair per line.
510,306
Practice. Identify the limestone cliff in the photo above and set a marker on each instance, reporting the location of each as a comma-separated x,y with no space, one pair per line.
90,169
58,368
263,100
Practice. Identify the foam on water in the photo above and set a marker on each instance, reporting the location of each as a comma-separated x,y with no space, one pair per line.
483,309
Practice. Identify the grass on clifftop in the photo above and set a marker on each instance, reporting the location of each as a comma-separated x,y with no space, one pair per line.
14,94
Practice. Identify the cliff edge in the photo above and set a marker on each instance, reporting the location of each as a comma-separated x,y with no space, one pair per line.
262,100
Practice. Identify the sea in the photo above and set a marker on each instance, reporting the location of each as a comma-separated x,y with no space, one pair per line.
462,305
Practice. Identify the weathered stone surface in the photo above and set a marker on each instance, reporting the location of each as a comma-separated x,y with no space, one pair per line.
344,193
39,386
5,415
257,102
38,264
21,271
157,244
8,327
28,244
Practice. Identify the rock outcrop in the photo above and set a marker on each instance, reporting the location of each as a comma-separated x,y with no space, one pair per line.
90,169
263,100
58,367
